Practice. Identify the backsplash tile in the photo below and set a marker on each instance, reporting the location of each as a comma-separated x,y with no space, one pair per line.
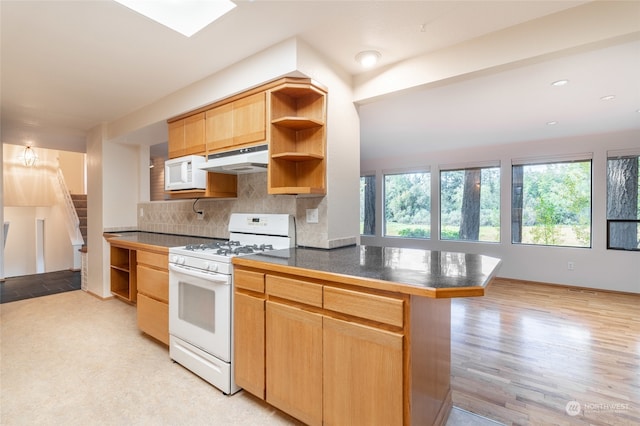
178,216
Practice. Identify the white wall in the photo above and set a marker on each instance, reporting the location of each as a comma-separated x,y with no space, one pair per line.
98,249
596,267
73,168
343,147
121,183
19,256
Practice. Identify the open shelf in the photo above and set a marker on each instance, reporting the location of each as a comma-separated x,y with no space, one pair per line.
297,147
297,123
298,156
123,273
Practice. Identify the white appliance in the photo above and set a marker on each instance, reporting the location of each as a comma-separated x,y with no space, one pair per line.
244,160
184,173
201,294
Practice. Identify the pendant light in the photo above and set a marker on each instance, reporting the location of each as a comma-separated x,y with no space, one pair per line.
29,157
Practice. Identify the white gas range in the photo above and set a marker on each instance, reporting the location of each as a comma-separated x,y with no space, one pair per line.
201,293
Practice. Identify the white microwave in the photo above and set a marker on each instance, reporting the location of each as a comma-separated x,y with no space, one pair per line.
184,173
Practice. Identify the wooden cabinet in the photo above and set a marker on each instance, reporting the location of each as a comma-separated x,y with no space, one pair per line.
298,139
123,273
219,127
153,294
238,123
362,374
248,334
249,344
187,136
294,361
289,114
321,352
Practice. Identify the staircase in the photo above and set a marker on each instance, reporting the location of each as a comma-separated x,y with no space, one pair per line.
80,204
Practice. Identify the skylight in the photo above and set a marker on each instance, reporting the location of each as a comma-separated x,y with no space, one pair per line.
184,16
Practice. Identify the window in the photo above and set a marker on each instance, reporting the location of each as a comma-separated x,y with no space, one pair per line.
623,200
470,203
368,205
407,205
551,202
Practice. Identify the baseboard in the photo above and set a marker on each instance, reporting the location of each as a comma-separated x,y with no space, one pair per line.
574,288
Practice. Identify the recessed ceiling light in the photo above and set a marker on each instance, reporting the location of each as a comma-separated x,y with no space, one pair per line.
368,58
607,98
551,123
185,16
559,83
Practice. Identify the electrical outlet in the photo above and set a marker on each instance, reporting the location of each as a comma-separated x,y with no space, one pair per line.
312,215
571,266
141,212
200,215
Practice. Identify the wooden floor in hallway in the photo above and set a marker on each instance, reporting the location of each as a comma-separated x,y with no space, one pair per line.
534,354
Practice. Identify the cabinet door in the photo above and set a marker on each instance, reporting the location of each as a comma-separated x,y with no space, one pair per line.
249,343
219,127
294,361
362,373
249,119
176,139
153,282
153,318
194,141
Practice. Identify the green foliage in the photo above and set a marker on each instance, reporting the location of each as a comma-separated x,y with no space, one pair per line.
414,233
407,199
557,195
449,233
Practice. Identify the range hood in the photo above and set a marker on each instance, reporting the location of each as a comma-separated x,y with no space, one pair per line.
245,160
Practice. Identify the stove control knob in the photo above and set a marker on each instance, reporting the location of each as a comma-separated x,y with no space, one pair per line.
177,259
211,267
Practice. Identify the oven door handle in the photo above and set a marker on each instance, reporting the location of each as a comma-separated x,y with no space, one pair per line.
218,278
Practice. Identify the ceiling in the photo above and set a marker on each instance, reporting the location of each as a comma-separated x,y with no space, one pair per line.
67,66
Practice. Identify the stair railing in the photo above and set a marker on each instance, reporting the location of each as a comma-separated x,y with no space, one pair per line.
71,216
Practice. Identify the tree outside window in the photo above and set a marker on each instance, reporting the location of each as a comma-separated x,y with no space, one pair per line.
551,204
623,201
470,204
368,205
407,205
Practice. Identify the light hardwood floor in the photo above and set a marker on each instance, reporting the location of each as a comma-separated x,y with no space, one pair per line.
524,351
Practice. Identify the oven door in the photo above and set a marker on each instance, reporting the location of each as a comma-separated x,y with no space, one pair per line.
200,309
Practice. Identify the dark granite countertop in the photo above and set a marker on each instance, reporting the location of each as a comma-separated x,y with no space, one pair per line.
414,271
152,240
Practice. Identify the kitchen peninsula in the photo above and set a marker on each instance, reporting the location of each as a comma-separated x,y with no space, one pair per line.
355,335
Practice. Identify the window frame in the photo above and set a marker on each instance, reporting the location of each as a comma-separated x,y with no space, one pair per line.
545,160
383,201
479,165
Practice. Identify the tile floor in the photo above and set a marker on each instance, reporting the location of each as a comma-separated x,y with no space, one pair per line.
29,286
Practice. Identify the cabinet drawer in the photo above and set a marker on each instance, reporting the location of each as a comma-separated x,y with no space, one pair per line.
153,283
153,318
153,259
295,290
364,305
248,280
